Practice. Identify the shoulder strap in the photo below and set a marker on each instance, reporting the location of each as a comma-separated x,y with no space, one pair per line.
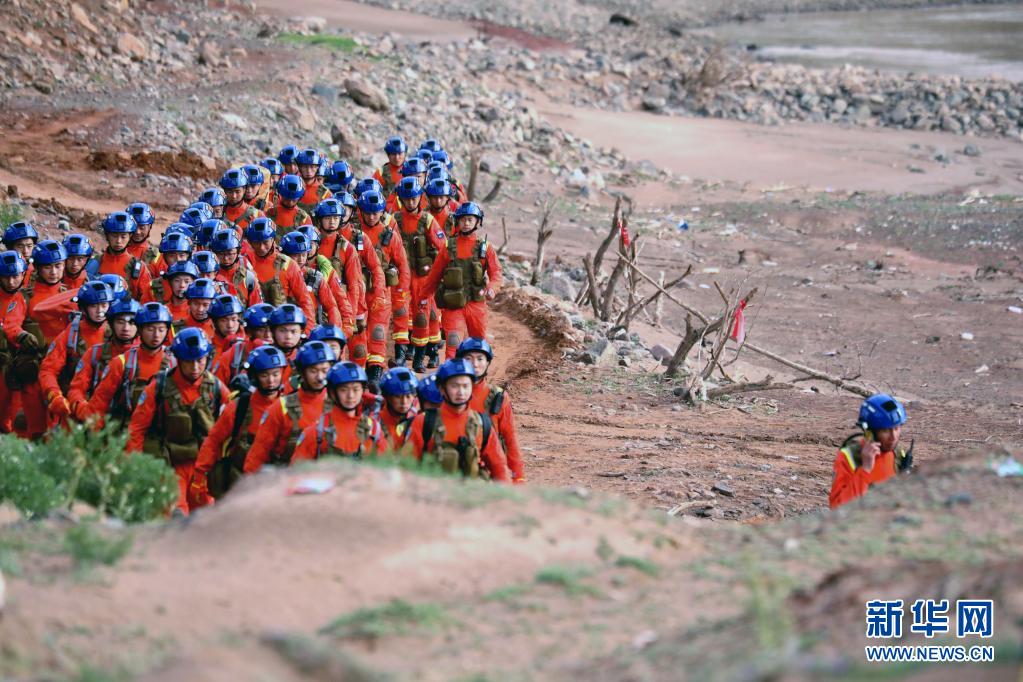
452,249
495,400
488,426
241,411
73,334
429,426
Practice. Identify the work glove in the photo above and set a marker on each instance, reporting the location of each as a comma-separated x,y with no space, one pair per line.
360,323
59,406
198,491
79,411
28,341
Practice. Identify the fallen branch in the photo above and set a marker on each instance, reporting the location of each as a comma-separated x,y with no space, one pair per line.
494,191
542,235
627,315
746,387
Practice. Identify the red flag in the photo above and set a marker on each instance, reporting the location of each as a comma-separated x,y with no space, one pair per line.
739,328
623,228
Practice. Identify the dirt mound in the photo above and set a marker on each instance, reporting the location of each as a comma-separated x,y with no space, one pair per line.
162,163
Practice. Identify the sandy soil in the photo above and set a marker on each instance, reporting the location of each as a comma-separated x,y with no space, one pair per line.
355,16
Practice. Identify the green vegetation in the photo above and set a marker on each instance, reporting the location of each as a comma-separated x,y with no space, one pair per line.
396,617
10,213
638,563
89,547
85,465
569,578
335,43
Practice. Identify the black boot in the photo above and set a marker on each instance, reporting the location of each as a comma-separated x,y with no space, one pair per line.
433,353
417,359
373,373
400,354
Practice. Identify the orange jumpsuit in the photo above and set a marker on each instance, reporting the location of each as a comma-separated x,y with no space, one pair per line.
445,218
134,271
388,176
229,358
454,427
143,417
5,393
213,446
393,255
344,425
277,427
461,323
348,274
109,388
504,425
75,283
291,280
852,481
344,304
315,192
287,219
241,282
18,311
59,356
188,321
378,303
90,371
425,317
143,250
323,300
241,215
396,427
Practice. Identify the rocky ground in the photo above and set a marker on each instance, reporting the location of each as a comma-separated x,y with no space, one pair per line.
885,255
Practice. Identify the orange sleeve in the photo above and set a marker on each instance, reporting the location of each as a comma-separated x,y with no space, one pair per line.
400,258
142,283
436,272
142,418
435,235
99,403
329,304
299,291
414,437
14,319
493,456
848,484
344,305
213,445
504,424
52,365
356,284
275,429
78,390
306,448
493,267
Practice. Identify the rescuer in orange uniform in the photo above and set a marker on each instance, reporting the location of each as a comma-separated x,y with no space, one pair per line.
346,430
123,335
874,455
279,277
116,260
389,175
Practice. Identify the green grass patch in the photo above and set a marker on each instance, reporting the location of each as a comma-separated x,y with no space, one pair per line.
89,547
335,43
396,617
507,593
10,213
639,563
569,578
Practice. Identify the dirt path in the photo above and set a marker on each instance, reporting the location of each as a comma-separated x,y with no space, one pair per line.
355,16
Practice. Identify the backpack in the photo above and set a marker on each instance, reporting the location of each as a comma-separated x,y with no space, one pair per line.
464,456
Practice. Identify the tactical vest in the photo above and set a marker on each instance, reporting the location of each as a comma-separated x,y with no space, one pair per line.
420,251
386,181
340,247
321,193
99,358
127,396
301,218
235,358
179,429
247,216
74,351
326,434
273,289
853,446
24,361
230,466
464,279
293,408
132,271
313,281
465,456
391,273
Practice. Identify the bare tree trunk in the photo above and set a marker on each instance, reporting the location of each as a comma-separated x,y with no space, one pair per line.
474,170
504,231
592,279
542,235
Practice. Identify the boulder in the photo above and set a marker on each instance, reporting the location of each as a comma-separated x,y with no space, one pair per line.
558,283
343,136
602,354
366,95
130,46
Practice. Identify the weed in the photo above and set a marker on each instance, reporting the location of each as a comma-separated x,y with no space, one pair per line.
335,43
638,563
88,547
89,673
10,213
604,549
396,617
569,578
506,593
315,659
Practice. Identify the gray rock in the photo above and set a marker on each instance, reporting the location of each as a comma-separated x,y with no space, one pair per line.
971,150
366,95
661,353
558,283
325,91
344,137
723,489
900,114
654,104
602,354
839,106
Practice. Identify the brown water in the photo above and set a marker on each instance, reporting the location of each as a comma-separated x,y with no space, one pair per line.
972,40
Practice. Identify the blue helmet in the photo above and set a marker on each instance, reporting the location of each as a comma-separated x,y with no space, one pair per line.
261,229
12,264
234,178
329,207
409,188
77,245
329,332
272,165
395,145
308,157
214,196
313,353
413,166
340,177
372,202
48,252
425,154
428,391
225,240
119,221
190,344
201,288
142,213
346,373
181,228
469,208
18,231
175,242
182,267
456,367
264,358
290,187
348,200
431,144
437,172
117,284
288,313
323,168
206,263
475,344
193,216
399,381
438,188
119,308
94,292
295,243
153,313
205,233
225,305
311,234
881,411
258,316
367,185
442,156
253,175
288,154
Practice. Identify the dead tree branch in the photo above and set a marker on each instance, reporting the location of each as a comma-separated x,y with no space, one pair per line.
474,171
494,191
592,279
504,231
543,234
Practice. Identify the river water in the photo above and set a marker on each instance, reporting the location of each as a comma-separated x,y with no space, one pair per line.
973,40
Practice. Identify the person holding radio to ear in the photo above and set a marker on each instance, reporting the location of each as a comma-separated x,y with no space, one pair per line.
875,454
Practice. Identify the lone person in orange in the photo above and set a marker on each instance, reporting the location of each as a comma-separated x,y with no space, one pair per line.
874,455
